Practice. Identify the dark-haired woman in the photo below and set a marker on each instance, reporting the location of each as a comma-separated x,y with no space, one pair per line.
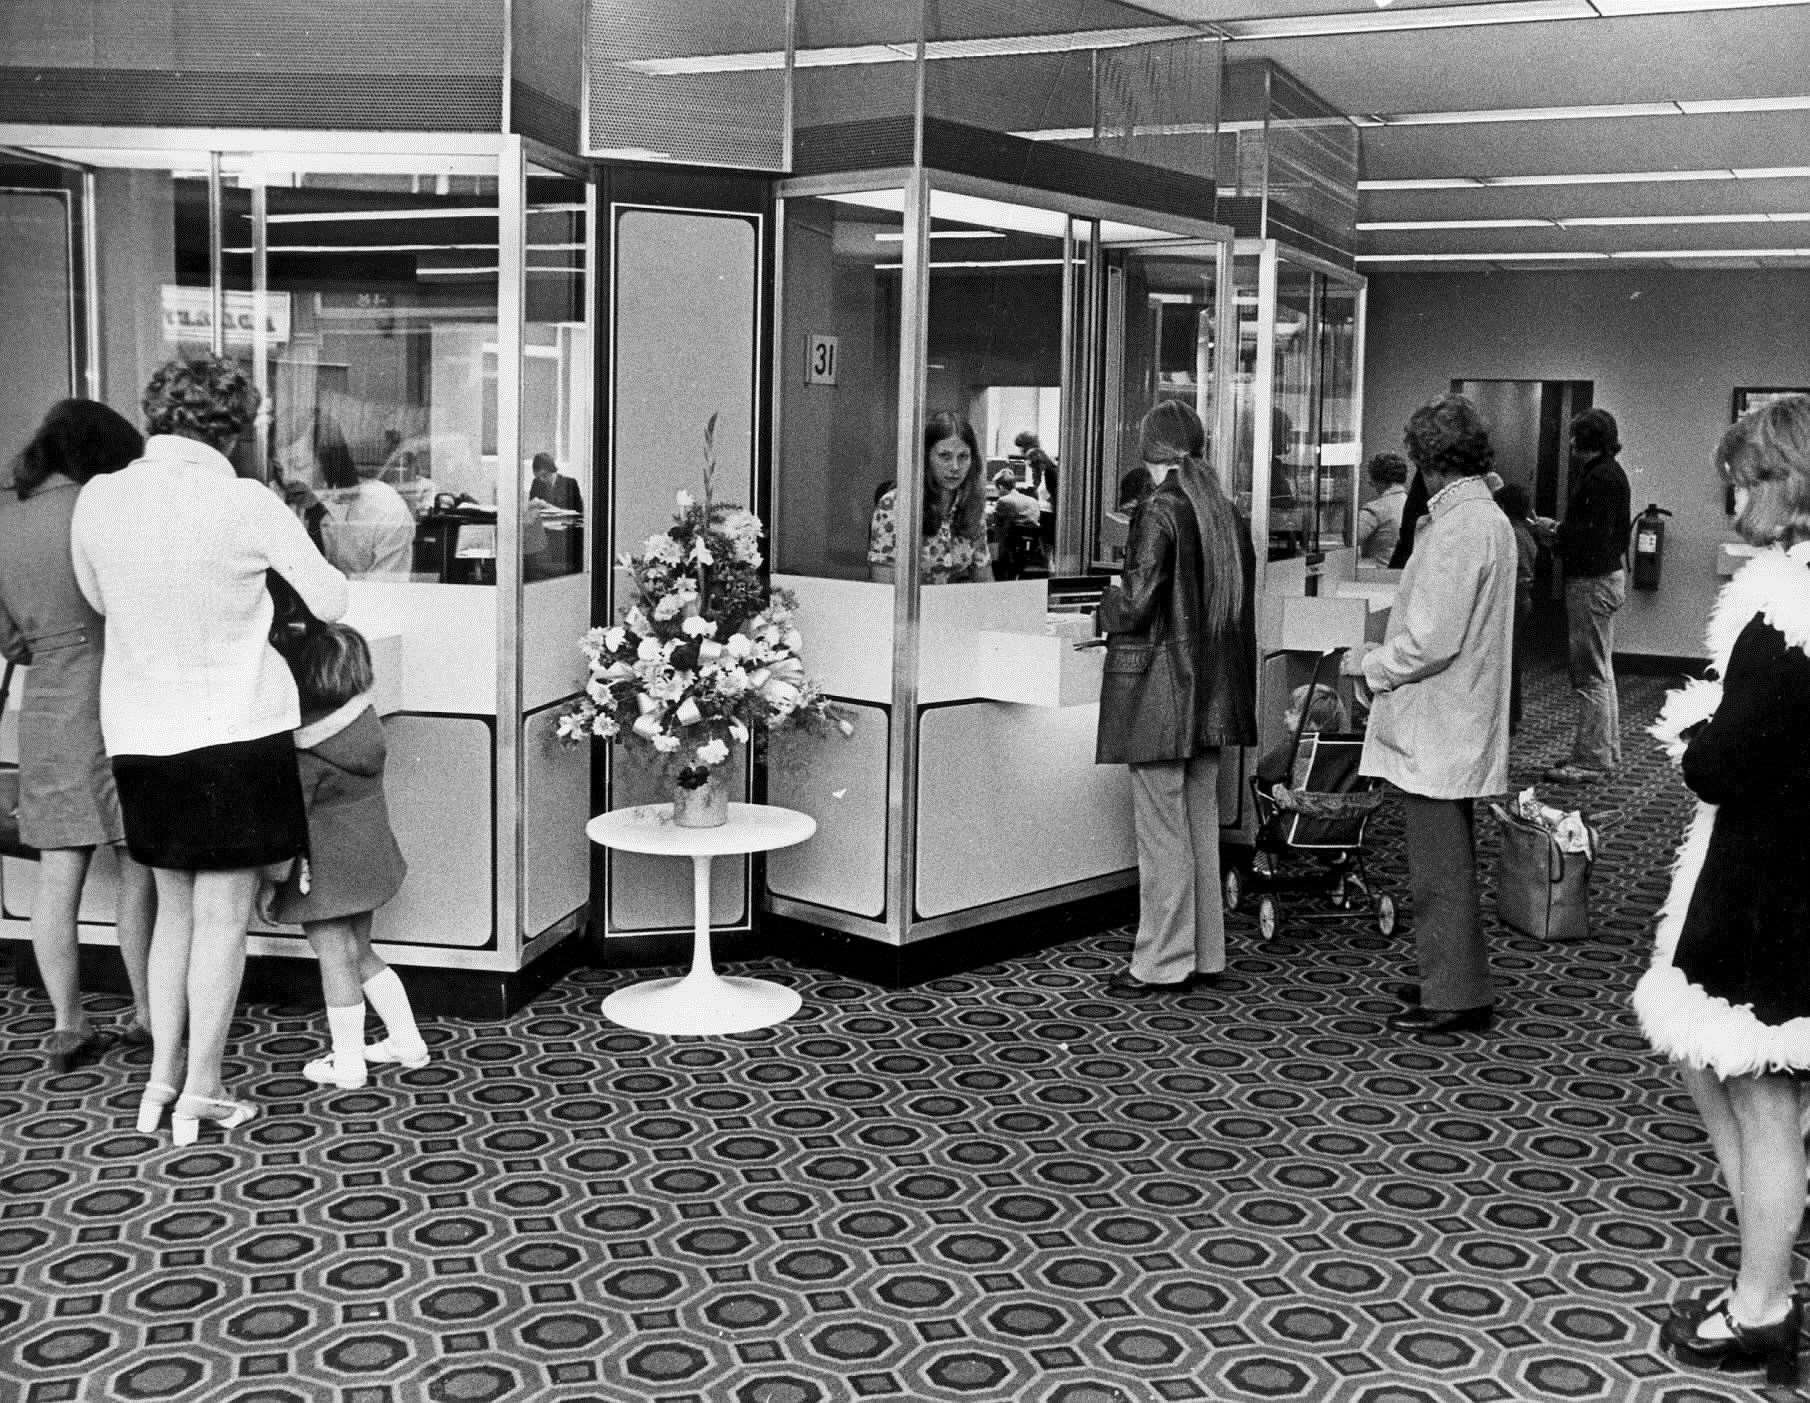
197,708
67,803
1439,720
1181,655
955,511
1728,994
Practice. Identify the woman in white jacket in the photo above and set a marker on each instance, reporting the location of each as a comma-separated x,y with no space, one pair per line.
1439,723
197,708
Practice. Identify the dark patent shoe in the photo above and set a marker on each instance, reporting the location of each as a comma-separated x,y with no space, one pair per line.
1407,993
1425,1022
135,1033
1126,985
1773,1347
69,1049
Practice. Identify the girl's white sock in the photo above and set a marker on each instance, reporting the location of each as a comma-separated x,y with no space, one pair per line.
385,993
346,1022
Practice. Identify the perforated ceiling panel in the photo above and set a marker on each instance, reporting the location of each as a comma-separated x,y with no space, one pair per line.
699,84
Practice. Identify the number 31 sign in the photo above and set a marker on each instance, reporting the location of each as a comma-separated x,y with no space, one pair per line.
820,360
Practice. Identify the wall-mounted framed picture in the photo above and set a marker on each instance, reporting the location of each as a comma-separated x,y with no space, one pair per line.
1758,396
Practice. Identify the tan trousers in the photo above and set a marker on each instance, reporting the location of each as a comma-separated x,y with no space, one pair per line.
1181,921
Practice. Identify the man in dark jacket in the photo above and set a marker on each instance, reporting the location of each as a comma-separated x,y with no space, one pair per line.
1592,543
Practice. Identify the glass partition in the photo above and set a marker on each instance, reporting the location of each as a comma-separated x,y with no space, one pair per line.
1297,397
556,369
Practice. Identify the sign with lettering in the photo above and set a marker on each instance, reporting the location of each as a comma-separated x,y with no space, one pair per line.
188,316
820,359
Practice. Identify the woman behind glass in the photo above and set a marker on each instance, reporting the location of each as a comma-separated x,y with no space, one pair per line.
67,803
955,511
1180,685
1728,994
196,707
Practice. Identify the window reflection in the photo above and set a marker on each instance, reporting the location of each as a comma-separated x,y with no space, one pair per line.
382,287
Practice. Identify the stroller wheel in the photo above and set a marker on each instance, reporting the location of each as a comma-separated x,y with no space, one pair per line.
1234,889
1385,914
1267,918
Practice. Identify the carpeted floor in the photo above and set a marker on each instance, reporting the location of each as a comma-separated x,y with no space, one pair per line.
997,1186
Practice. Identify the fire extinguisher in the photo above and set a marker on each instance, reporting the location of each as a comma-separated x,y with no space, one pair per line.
1649,546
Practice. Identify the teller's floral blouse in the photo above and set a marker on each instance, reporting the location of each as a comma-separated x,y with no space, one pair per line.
947,559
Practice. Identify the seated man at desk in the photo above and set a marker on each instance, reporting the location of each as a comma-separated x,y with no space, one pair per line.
553,487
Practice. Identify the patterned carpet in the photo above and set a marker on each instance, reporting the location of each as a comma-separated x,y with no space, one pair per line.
997,1186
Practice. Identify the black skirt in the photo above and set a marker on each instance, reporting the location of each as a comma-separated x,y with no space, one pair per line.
214,809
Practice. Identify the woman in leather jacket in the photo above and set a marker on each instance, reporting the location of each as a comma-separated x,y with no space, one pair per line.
1180,685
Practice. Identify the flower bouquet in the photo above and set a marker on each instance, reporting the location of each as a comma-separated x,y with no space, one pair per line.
705,658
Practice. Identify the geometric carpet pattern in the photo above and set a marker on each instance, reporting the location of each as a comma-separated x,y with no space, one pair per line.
999,1185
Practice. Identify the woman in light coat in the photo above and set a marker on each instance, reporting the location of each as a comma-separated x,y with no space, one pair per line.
1439,719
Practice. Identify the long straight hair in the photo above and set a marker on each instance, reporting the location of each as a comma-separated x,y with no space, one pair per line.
968,509
1173,433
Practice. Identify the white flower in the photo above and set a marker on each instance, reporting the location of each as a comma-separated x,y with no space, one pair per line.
614,637
648,649
700,552
712,752
793,640
699,626
604,727
685,500
666,744
739,645
572,726
635,620
739,732
597,690
668,607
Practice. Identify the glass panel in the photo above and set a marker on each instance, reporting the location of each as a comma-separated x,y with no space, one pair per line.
993,352
556,360
382,358
41,296
1294,414
1338,416
838,380
1170,309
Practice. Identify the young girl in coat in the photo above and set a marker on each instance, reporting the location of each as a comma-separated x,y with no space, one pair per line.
353,864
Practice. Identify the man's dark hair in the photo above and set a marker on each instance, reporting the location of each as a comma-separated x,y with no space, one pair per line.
1593,432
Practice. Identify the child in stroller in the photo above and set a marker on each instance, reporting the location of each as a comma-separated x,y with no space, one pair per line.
1311,803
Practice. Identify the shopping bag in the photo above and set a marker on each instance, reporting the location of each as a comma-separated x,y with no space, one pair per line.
1541,890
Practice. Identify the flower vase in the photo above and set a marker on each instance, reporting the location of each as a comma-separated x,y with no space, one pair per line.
705,806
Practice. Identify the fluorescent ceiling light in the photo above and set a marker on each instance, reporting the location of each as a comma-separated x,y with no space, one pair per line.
370,248
1714,253
906,51
1487,182
991,263
894,238
1379,225
1592,221
1616,9
383,216
1433,17
1475,257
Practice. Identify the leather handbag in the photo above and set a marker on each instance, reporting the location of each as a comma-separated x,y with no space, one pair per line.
292,623
11,844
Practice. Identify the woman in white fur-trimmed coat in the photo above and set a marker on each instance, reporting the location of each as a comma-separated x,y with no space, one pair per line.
1728,994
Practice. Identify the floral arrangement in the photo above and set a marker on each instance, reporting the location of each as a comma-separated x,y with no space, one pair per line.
706,656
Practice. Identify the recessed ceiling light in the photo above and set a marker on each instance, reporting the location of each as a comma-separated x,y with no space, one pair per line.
1380,225
1475,257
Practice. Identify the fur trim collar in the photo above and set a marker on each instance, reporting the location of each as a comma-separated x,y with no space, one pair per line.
326,727
1774,584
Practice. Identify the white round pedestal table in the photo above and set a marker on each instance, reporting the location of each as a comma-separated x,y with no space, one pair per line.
703,1001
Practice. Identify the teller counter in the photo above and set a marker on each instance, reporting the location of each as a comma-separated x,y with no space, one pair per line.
1007,812
491,886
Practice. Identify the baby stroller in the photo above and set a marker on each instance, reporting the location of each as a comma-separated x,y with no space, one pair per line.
1310,838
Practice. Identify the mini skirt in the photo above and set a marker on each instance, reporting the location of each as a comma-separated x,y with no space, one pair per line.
214,809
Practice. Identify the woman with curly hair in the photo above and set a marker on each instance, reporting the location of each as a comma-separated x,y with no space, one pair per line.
1728,995
1439,719
955,511
197,708
67,803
